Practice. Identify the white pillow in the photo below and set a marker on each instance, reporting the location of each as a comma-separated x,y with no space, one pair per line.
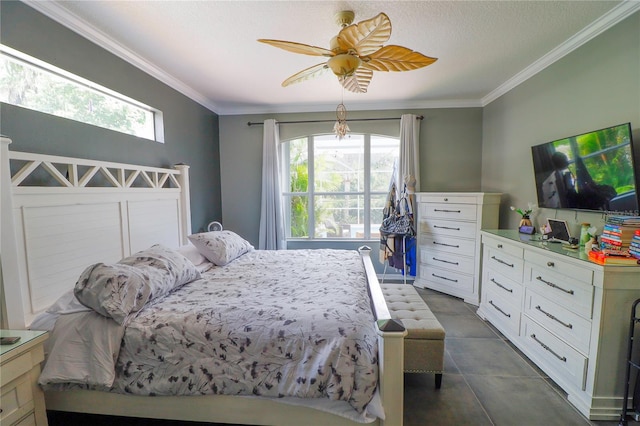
220,247
191,252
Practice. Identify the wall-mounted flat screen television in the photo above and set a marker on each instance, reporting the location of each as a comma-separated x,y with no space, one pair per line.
591,171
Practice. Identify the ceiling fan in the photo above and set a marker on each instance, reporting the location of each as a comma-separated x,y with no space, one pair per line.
355,53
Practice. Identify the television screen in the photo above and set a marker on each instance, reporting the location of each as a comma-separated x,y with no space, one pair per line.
591,171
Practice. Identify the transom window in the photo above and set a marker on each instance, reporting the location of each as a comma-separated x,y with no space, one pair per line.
30,83
337,188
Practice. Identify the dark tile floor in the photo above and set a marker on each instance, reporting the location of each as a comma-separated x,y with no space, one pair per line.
486,382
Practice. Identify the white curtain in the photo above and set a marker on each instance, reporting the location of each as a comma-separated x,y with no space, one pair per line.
409,161
272,233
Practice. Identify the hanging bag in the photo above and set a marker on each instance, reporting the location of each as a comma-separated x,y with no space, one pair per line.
397,224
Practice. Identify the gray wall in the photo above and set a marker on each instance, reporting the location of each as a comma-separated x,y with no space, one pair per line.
450,151
191,131
596,86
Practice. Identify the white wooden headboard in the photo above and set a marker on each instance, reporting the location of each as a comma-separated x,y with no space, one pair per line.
61,214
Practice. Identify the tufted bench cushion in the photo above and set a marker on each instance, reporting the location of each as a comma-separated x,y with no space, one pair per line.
424,343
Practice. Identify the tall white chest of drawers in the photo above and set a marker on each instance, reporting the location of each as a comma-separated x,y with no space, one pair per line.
449,240
568,315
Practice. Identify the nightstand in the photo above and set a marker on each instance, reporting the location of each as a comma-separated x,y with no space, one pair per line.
22,400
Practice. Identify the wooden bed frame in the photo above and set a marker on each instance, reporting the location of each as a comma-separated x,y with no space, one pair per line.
101,212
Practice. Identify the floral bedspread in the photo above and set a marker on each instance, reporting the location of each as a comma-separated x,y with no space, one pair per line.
271,323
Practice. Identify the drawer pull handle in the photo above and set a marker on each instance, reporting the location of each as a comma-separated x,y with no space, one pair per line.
510,265
446,227
561,358
499,310
445,261
550,284
501,286
444,278
551,264
447,211
446,245
553,317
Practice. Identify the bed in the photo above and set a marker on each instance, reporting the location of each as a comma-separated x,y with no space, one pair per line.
104,212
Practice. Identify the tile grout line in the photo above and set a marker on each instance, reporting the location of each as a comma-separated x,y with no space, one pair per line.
472,391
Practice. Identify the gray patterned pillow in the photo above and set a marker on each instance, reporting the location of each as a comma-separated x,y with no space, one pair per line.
220,247
164,268
118,290
114,291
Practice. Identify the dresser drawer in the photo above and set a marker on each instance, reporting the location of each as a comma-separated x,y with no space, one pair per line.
570,293
459,283
557,358
501,246
16,368
579,273
507,265
30,420
439,259
451,198
448,228
568,326
443,244
506,314
499,284
16,400
447,211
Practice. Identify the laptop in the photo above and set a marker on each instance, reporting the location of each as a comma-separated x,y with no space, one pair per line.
559,231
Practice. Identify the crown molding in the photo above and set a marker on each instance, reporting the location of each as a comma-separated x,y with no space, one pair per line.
351,106
71,21
597,27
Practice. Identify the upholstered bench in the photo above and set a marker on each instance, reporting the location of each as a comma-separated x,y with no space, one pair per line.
424,342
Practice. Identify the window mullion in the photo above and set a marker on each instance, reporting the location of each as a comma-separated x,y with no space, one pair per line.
367,186
311,187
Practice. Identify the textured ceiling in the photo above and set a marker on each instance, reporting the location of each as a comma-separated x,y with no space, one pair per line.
208,49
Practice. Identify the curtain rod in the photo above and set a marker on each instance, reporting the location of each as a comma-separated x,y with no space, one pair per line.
251,123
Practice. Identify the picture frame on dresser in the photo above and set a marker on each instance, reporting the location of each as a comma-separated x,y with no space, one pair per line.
448,235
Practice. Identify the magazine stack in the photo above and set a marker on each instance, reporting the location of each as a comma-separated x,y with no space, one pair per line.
618,232
634,248
619,243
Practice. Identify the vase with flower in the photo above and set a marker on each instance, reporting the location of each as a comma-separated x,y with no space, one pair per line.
525,221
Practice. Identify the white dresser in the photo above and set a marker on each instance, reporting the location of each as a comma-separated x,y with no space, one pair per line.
449,248
568,315
21,399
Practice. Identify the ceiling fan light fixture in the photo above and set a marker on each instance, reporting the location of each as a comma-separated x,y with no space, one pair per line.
344,65
355,53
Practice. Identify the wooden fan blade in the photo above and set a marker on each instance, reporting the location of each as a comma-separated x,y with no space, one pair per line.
294,47
306,74
367,36
396,58
358,82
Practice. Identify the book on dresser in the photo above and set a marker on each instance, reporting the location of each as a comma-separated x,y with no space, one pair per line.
448,235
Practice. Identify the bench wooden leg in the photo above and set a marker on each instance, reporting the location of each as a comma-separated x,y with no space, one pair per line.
438,380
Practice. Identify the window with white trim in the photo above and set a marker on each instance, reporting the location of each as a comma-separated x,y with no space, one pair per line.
30,83
337,188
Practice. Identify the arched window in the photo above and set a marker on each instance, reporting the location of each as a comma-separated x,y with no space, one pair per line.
336,189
